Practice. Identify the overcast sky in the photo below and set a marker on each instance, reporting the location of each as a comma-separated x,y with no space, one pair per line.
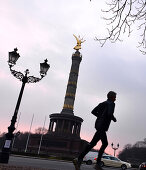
44,29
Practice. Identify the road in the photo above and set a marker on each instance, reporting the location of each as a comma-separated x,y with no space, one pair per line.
48,164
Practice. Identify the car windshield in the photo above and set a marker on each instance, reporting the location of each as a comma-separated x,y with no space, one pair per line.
114,158
105,157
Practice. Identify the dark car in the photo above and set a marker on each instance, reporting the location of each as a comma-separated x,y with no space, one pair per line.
142,166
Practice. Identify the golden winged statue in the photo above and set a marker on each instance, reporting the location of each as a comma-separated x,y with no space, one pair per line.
79,41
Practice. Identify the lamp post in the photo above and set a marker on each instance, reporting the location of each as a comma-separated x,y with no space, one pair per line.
115,148
13,57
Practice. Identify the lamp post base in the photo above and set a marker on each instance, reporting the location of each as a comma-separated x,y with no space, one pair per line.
4,157
5,153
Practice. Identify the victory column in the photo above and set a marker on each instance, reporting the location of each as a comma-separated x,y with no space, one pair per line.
63,135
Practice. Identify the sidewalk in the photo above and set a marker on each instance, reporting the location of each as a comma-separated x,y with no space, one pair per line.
11,167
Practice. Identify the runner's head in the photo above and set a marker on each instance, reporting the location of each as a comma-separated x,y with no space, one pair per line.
111,96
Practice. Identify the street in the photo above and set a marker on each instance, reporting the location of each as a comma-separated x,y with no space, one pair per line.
49,164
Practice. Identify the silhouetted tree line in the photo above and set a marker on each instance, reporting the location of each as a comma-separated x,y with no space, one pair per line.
20,139
135,154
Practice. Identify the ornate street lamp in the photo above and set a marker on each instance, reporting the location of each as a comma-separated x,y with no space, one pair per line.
115,148
13,57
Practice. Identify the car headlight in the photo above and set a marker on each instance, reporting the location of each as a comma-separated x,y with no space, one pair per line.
129,165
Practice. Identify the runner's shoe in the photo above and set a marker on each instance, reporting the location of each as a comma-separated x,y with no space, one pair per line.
77,163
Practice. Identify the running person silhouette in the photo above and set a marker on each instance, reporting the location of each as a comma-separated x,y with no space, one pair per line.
104,113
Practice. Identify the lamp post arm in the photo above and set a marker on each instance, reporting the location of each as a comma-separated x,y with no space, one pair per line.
17,74
32,79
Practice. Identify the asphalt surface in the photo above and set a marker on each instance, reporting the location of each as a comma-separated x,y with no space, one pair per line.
29,163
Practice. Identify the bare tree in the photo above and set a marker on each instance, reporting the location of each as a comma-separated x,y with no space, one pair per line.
41,130
123,16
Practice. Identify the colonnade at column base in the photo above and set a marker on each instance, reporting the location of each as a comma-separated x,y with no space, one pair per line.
65,125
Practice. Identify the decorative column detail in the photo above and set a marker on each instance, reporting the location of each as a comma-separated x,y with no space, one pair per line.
52,124
72,84
62,125
69,127
56,128
75,128
79,129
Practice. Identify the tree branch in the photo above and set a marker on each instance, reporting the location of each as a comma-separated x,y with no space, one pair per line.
123,14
